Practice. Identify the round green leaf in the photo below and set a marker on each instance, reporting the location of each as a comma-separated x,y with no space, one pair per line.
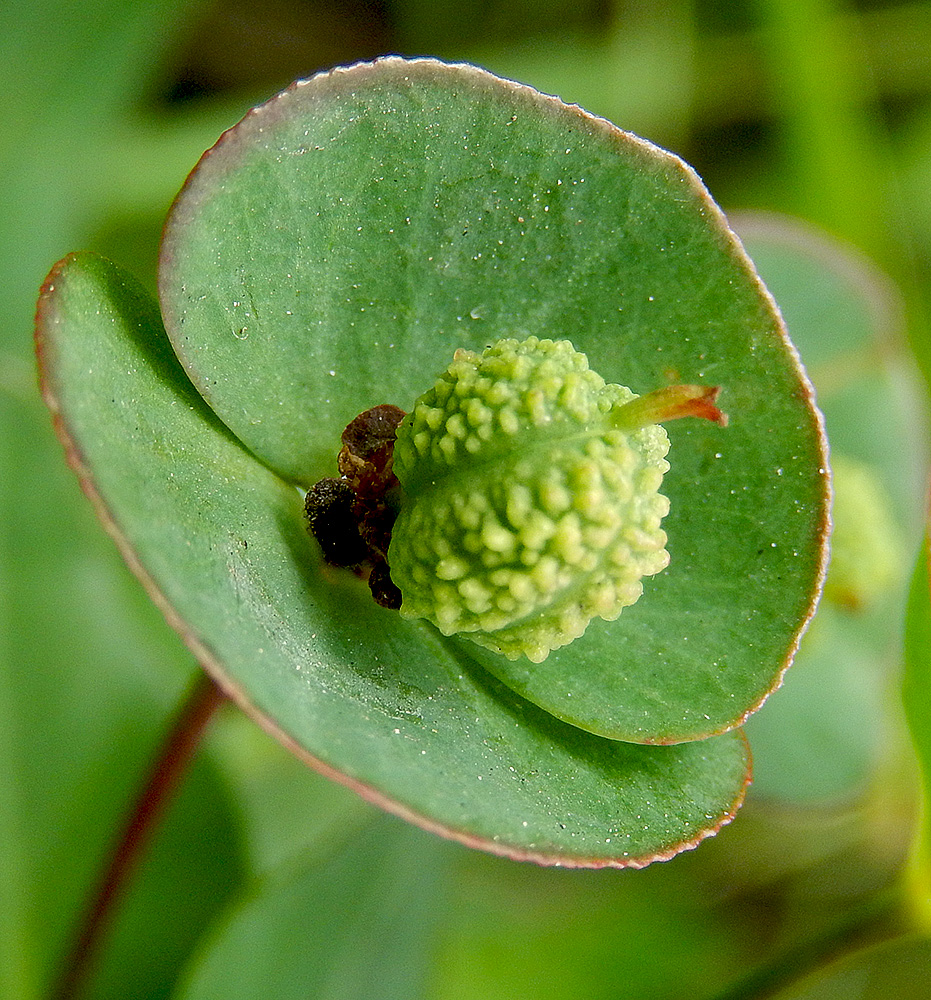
381,704
334,249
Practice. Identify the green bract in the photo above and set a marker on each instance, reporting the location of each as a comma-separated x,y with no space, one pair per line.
330,253
527,511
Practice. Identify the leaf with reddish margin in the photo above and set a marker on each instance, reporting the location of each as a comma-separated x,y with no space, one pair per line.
376,702
333,250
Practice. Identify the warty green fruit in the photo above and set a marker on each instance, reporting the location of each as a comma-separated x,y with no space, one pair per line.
530,498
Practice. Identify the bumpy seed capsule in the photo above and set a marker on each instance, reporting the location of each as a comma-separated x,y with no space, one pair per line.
530,496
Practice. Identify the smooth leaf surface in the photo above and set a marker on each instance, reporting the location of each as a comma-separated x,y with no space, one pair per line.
830,724
847,319
514,931
386,707
362,923
334,249
286,806
821,736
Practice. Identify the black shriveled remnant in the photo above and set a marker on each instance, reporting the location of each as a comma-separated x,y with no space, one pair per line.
352,516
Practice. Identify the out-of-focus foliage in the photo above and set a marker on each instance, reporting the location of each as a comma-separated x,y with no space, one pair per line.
817,109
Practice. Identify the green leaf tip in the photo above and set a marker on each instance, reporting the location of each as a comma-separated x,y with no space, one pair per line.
528,499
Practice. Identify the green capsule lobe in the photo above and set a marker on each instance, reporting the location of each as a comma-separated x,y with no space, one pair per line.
525,511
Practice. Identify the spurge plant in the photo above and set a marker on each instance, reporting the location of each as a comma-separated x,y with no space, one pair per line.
509,687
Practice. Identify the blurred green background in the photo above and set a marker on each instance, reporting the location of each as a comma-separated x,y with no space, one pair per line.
265,880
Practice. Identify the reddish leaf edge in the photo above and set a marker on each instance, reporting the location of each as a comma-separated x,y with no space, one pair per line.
213,666
345,77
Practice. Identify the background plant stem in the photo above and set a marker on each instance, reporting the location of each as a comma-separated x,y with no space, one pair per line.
171,761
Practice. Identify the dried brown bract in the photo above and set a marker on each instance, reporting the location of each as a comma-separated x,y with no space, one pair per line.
351,517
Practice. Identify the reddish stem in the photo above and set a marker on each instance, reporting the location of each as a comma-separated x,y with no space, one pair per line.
177,749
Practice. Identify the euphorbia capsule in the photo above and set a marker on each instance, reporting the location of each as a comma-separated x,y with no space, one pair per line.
529,496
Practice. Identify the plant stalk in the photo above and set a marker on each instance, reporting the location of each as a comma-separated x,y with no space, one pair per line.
174,755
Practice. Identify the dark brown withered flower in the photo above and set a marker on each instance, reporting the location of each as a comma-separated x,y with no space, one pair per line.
352,516
328,508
